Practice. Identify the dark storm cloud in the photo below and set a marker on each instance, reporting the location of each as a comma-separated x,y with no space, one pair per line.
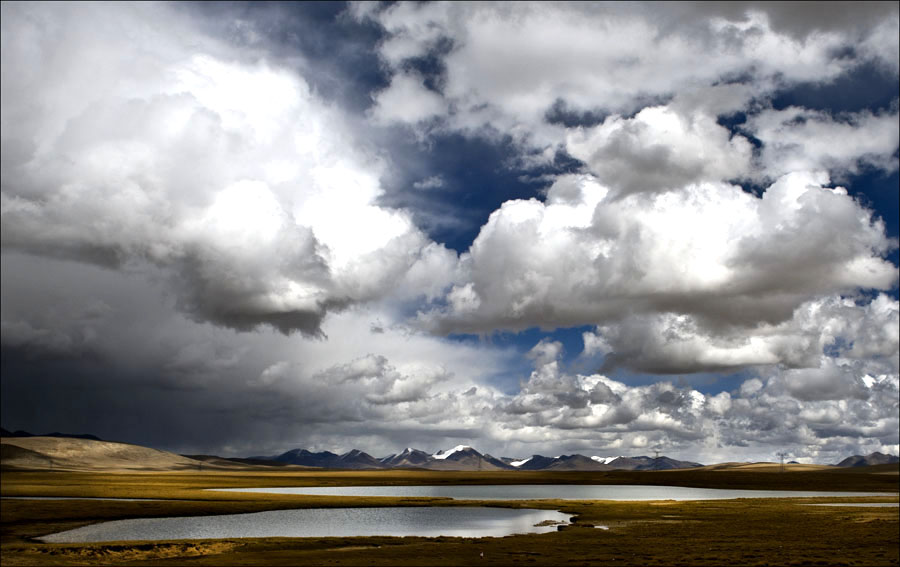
109,353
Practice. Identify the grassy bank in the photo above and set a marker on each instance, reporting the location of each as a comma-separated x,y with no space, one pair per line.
742,532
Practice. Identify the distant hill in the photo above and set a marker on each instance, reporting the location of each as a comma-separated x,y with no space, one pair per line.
306,458
768,467
581,463
234,463
259,462
354,459
574,463
20,433
664,464
868,460
359,460
76,454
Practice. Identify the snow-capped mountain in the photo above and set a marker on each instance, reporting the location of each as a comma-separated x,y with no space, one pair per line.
464,458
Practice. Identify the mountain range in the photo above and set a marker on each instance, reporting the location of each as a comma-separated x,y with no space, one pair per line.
84,451
464,457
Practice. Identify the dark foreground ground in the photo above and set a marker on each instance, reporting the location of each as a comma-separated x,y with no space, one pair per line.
732,532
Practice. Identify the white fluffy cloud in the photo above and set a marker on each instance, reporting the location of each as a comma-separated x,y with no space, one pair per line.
679,343
226,171
709,260
658,150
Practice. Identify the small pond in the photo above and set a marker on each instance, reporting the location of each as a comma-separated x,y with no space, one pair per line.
549,491
325,522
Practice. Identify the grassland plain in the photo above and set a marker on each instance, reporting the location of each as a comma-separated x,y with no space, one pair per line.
735,532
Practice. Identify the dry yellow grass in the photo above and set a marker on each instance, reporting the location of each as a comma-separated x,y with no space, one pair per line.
766,467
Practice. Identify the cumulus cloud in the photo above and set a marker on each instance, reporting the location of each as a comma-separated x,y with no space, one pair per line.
226,172
708,260
511,63
659,150
643,116
262,393
681,270
820,413
798,139
670,343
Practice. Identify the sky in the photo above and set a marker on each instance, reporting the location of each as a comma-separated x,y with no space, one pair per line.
533,228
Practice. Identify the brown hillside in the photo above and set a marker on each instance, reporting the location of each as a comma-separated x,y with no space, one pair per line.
58,453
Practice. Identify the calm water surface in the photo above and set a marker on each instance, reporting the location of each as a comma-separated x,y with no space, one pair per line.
330,522
548,491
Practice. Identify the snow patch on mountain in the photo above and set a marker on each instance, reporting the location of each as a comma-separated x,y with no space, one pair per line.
605,460
441,455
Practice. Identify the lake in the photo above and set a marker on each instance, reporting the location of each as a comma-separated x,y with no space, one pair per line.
324,522
548,491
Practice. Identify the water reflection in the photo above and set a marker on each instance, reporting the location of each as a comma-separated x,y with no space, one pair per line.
549,491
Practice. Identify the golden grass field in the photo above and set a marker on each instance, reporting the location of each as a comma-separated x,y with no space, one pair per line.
735,532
